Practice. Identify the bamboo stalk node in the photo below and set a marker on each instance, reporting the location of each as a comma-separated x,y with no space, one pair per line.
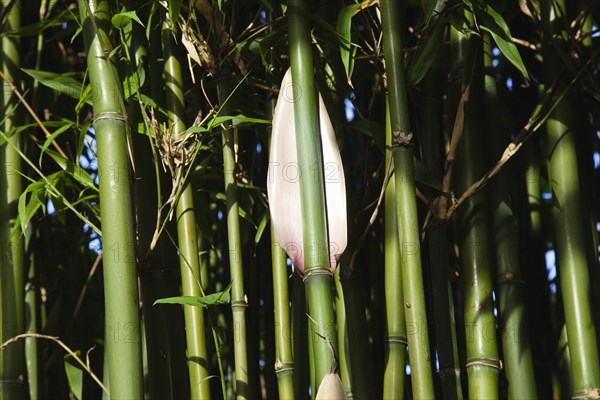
401,137
239,303
449,370
280,367
20,380
510,277
316,271
485,362
109,116
396,339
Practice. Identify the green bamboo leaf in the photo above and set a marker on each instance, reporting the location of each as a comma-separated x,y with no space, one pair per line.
344,31
496,25
64,83
74,375
223,297
174,7
53,137
39,27
121,19
27,209
133,82
78,173
85,98
235,120
261,227
425,55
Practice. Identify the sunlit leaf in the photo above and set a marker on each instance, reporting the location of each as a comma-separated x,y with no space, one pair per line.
133,82
63,83
223,297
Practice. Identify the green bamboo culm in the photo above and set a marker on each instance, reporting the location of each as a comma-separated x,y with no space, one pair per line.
284,358
123,341
186,224
392,17
12,274
32,288
569,223
343,336
167,373
284,361
396,340
482,362
430,115
514,328
239,302
317,276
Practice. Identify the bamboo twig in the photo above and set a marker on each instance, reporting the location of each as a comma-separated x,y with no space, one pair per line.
57,340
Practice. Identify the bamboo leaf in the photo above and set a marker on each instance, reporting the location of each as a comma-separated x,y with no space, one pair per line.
53,137
261,227
121,19
133,82
27,209
78,173
74,375
236,120
174,7
223,297
343,28
62,83
497,26
425,55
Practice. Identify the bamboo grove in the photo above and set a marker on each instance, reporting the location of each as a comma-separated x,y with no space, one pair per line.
299,199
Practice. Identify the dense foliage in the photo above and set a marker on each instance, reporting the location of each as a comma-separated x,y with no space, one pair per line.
135,224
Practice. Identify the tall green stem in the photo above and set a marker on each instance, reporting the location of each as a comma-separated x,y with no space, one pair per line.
186,226
342,336
392,17
430,115
284,361
569,224
238,296
167,376
395,341
514,328
483,365
310,164
12,274
120,278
